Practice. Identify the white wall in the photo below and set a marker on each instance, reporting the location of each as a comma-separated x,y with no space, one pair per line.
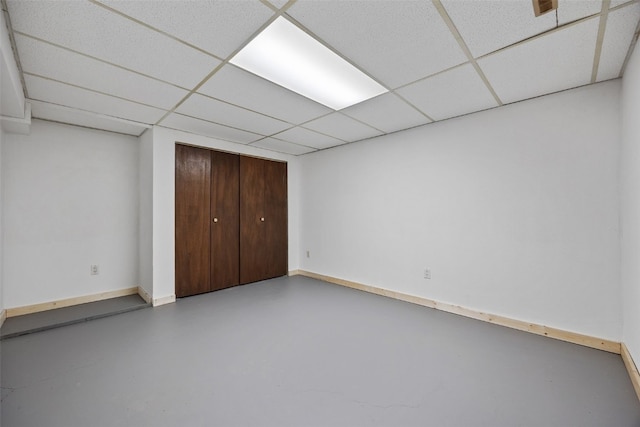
145,246
2,137
163,215
515,211
70,200
630,195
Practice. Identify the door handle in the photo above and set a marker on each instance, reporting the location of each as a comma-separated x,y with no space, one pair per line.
262,219
215,219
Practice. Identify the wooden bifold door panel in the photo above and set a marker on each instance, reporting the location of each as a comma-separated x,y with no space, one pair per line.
276,225
231,220
252,248
225,225
193,192
263,218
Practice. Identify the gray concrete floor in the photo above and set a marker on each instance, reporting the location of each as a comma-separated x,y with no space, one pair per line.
299,352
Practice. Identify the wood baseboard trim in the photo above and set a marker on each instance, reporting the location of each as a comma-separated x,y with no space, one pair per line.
35,308
3,317
294,273
559,334
632,368
144,295
164,300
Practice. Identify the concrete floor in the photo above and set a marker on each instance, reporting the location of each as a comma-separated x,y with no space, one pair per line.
299,352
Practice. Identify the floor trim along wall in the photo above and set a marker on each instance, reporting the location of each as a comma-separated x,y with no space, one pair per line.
632,368
3,317
144,295
164,300
572,337
35,308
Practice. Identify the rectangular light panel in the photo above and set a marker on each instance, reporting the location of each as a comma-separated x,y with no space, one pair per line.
286,55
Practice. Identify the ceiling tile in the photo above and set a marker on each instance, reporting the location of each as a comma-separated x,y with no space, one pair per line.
556,61
387,112
202,127
282,146
342,127
302,136
63,94
615,3
226,114
621,24
93,30
218,27
489,25
278,3
452,93
396,41
59,64
239,87
572,10
56,113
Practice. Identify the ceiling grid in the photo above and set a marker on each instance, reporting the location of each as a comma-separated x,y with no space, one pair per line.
179,40
16,56
113,64
634,40
539,36
465,48
602,26
223,63
119,66
97,92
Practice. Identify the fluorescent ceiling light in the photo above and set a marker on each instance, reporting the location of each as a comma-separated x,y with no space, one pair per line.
286,55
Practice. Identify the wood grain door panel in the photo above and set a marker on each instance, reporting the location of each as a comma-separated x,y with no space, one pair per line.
231,220
252,231
193,193
276,227
225,220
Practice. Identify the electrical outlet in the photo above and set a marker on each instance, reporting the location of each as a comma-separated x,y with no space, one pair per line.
308,255
94,270
427,273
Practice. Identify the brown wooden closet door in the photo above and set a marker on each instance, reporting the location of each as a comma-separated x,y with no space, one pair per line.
225,220
193,193
253,251
276,229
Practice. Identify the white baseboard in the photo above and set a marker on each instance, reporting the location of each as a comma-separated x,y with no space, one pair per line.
572,337
35,308
164,300
144,295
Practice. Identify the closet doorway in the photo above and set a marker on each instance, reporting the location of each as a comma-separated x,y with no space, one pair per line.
231,220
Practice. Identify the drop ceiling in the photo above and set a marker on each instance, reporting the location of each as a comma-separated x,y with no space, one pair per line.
126,65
